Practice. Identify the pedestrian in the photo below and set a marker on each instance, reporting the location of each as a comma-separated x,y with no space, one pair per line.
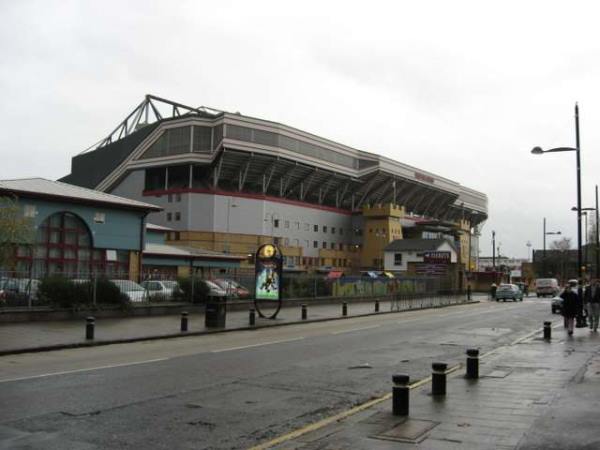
493,290
594,306
587,298
570,305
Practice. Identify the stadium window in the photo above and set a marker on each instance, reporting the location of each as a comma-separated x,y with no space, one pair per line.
332,230
178,177
177,216
315,228
297,224
178,197
169,217
286,242
324,244
155,178
287,223
276,223
333,246
307,227
324,228
315,244
170,198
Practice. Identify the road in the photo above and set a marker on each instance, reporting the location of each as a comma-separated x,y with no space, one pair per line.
237,389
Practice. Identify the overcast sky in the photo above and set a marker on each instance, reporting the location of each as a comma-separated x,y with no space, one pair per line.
461,89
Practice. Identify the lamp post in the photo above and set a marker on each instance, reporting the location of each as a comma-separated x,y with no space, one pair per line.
539,151
546,233
584,211
494,252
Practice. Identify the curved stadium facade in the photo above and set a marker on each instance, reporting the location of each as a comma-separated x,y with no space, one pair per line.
228,182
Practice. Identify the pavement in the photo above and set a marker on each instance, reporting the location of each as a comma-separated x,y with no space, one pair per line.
531,394
26,337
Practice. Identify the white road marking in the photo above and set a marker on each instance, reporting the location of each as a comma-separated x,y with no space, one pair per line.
356,329
67,372
256,345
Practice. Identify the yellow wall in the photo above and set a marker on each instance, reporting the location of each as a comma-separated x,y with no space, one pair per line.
381,226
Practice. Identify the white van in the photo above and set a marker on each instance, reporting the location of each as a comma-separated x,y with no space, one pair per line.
546,286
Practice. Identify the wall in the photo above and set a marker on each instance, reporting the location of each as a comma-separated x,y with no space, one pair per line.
120,231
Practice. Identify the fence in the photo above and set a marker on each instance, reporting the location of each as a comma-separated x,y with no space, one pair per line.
71,290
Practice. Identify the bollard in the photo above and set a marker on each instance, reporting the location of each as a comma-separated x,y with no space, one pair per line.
89,328
304,312
184,321
344,309
469,293
400,395
547,331
438,378
472,363
376,305
252,318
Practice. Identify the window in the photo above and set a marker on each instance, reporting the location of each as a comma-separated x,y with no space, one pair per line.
169,217
341,246
287,223
307,227
177,216
332,230
333,246
99,217
202,138
286,242
397,259
276,240
324,228
170,198
315,228
174,141
276,223
296,242
178,197
30,211
315,244
324,244
297,225
178,177
306,244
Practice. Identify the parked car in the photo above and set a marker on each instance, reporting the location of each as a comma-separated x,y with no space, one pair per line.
132,290
233,288
214,289
161,290
509,292
557,305
546,286
18,290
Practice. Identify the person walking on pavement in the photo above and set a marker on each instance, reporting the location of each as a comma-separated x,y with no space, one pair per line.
493,288
570,306
594,306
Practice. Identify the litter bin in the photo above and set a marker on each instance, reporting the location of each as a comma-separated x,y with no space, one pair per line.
216,312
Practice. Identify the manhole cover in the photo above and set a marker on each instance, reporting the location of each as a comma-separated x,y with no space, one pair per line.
412,431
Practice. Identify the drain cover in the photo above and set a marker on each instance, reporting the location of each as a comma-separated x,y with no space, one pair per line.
411,431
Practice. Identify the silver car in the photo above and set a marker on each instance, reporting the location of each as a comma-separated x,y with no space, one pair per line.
134,292
509,292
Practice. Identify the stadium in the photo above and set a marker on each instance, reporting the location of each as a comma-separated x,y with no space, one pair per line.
229,182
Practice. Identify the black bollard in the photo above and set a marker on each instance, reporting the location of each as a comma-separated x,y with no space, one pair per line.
472,363
304,312
438,378
376,305
547,331
184,321
89,328
400,395
344,309
469,292
252,318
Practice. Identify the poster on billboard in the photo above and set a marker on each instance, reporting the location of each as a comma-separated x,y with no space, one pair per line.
268,271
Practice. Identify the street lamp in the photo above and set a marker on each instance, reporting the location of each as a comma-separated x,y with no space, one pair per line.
539,151
546,233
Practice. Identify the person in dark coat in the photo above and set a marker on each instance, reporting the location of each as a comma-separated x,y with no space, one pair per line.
571,306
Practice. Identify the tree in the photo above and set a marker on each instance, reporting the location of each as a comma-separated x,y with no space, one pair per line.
561,248
15,229
563,244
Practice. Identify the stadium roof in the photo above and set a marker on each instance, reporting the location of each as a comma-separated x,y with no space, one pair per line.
251,155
